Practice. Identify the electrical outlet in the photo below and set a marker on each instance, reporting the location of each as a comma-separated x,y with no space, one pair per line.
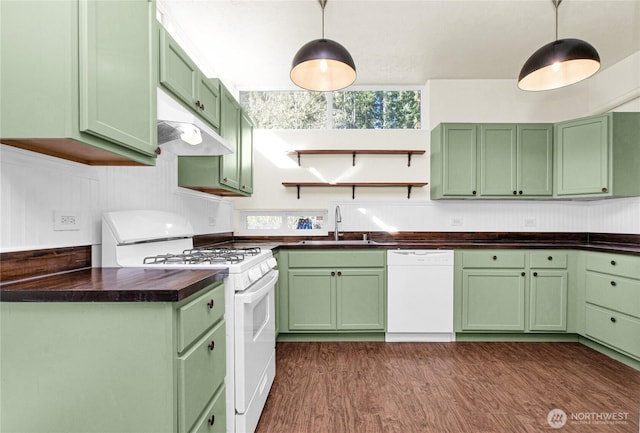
457,221
212,221
66,220
530,222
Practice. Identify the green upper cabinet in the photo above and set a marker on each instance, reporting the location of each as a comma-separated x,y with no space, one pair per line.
230,114
598,156
180,75
246,154
63,89
453,161
225,175
515,160
498,152
535,159
491,160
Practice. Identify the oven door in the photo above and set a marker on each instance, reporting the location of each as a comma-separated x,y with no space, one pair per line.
255,337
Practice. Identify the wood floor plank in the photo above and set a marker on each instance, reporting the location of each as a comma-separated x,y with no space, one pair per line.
462,387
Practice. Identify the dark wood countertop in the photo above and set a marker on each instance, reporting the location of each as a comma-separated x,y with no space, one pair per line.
112,285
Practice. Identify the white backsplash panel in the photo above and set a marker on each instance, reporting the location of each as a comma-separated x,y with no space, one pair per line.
36,187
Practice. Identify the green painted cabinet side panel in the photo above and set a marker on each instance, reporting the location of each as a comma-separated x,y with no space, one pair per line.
582,156
347,258
87,367
312,300
230,130
194,387
361,299
625,137
178,73
535,159
548,301
613,329
497,160
493,300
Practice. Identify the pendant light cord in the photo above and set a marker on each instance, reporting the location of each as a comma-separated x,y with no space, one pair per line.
556,3
323,3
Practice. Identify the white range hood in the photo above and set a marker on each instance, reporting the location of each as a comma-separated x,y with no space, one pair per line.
183,133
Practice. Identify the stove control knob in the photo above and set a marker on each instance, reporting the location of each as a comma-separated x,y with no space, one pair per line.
254,274
264,267
272,262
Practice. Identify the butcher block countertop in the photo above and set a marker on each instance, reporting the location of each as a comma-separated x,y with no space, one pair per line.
112,285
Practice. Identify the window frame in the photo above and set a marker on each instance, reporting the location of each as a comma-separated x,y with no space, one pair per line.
284,230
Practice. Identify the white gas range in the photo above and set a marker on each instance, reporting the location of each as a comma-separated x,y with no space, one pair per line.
157,239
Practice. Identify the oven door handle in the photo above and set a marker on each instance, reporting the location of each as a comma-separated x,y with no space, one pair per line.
261,289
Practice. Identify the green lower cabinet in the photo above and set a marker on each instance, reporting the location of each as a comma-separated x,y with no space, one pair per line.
332,291
513,291
493,300
312,300
336,300
548,301
614,329
83,367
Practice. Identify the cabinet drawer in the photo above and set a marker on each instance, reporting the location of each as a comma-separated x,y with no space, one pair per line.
548,260
616,264
201,371
198,315
337,259
617,293
613,328
215,417
493,259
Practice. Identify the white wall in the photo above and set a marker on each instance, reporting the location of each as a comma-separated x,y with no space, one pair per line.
34,186
444,101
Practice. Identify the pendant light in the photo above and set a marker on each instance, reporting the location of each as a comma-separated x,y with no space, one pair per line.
323,65
559,63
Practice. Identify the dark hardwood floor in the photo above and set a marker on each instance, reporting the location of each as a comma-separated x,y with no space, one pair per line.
463,387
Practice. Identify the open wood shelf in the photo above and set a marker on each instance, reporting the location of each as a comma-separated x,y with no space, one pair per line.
353,185
355,152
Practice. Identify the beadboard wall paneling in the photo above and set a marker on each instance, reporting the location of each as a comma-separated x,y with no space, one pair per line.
33,186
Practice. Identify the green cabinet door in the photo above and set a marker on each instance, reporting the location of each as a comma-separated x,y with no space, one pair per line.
209,100
453,160
312,299
106,89
246,154
178,73
535,159
582,157
493,300
548,301
498,160
78,79
361,299
230,130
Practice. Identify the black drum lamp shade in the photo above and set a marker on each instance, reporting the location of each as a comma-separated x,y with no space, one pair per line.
559,63
323,65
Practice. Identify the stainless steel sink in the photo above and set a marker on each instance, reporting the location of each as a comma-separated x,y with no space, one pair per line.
343,242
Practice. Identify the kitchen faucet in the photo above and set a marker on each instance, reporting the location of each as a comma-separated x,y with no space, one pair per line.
338,219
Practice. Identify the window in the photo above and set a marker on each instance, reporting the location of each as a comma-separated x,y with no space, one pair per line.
348,109
284,223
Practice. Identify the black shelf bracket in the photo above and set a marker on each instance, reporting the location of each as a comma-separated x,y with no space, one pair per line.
298,186
299,162
409,190
353,163
409,159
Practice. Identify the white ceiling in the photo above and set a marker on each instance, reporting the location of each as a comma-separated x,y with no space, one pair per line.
250,43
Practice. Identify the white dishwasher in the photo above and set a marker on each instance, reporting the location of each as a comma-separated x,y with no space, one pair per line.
420,295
